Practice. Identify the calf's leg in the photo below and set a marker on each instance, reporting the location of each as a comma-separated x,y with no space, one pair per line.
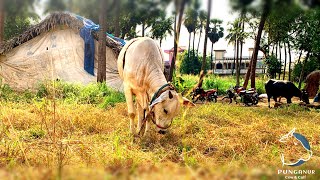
131,111
141,117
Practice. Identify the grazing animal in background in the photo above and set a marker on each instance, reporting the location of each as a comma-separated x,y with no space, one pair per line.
141,65
277,88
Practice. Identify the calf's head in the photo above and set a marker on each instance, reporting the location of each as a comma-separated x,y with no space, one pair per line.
165,108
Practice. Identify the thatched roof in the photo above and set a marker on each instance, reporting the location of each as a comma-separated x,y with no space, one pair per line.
53,20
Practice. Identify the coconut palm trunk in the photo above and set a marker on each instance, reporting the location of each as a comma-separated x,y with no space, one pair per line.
299,59
241,45
177,35
276,46
143,29
289,49
101,74
117,20
2,14
302,70
211,58
240,61
254,57
194,37
203,66
237,65
189,46
234,57
285,60
199,39
280,60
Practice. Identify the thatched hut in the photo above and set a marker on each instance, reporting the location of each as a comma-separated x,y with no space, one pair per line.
53,49
312,83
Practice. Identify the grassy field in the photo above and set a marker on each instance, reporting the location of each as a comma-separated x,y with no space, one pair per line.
83,133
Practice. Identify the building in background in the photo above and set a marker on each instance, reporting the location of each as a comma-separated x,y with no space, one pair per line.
167,62
225,65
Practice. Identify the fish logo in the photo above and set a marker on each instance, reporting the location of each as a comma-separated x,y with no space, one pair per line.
303,141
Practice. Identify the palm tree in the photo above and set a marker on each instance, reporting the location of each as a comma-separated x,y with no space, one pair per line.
215,33
161,28
190,24
232,38
237,35
241,38
202,21
196,6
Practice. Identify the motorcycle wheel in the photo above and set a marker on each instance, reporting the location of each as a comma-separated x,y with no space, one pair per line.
212,98
202,99
248,100
195,98
255,100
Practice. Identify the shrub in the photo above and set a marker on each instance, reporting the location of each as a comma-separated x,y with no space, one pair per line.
190,65
273,66
112,99
193,64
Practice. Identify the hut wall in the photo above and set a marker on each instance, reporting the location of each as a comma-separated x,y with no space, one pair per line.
57,54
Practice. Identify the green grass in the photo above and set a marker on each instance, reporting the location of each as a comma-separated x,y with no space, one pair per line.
185,83
97,94
80,132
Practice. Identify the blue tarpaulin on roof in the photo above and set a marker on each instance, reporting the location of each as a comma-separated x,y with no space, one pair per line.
121,41
89,51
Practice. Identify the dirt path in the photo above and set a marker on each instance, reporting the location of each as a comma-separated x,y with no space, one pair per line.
262,103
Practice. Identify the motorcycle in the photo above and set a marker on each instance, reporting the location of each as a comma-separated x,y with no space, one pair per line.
249,97
202,95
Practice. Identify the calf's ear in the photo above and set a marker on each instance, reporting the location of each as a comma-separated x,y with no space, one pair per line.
184,101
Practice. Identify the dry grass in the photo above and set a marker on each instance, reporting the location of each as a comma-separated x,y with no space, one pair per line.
50,140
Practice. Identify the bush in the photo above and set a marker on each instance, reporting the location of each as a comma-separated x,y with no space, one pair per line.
8,94
193,64
184,83
112,99
190,65
273,66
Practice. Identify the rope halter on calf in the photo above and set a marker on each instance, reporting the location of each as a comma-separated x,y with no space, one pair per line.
158,97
